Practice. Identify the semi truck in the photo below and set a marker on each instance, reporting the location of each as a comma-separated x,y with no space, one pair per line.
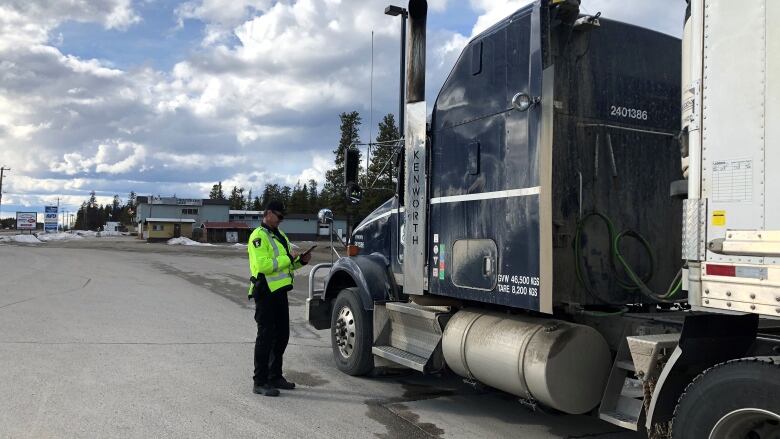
585,220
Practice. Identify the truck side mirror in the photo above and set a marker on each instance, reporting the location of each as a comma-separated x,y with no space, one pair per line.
325,216
351,165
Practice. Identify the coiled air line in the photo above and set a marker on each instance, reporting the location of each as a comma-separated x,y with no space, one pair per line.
635,282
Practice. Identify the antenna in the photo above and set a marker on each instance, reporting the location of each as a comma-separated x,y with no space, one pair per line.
371,109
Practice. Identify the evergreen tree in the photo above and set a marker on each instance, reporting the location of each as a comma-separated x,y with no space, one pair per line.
216,192
94,219
312,197
383,170
334,191
81,217
271,192
256,204
298,199
236,198
127,212
248,200
116,205
285,194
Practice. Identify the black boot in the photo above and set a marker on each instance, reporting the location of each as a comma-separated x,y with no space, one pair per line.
265,389
281,383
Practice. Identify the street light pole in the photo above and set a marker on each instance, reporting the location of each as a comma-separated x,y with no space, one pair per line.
2,171
396,11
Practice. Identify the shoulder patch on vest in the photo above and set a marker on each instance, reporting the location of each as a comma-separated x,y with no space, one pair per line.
257,242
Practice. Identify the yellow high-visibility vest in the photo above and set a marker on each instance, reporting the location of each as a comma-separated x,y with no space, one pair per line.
267,256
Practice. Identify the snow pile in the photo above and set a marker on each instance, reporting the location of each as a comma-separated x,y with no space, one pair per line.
88,233
58,237
239,245
24,239
105,233
186,241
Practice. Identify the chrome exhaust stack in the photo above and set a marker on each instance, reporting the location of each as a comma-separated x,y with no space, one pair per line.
415,46
415,188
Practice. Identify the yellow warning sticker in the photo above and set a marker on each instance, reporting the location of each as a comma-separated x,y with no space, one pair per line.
719,218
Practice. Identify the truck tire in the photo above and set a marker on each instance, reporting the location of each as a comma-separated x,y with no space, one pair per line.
351,334
735,399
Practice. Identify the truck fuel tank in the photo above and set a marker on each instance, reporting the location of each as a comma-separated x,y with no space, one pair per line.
560,364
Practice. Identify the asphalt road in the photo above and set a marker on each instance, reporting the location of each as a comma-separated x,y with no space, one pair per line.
120,338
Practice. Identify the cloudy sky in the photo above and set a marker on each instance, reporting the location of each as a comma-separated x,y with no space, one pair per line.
168,97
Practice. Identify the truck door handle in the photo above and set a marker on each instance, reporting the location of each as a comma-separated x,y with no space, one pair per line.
487,265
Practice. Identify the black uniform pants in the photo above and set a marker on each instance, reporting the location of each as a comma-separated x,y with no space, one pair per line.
273,331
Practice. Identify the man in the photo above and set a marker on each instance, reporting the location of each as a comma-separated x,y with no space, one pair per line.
271,263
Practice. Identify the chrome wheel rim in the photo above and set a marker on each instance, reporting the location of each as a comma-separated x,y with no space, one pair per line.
747,423
345,331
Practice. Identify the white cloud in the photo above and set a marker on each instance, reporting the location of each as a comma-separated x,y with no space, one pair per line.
189,162
662,15
491,11
320,164
112,157
220,16
258,102
437,5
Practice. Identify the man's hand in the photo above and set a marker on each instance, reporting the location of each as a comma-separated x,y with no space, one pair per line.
306,258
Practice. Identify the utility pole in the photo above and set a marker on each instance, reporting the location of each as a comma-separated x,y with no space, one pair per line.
2,171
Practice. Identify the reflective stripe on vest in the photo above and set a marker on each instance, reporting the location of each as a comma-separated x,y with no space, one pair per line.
277,277
277,280
275,246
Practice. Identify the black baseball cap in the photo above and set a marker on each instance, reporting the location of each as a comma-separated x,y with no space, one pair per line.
275,206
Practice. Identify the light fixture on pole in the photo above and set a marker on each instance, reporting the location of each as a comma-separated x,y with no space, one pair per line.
396,11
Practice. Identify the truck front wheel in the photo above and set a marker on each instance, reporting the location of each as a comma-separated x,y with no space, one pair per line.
351,334
733,400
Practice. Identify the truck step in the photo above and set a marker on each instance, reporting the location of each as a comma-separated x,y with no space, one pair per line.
410,334
401,357
619,419
426,312
622,402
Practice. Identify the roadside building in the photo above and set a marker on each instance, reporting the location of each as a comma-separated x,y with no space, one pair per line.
251,218
225,232
159,229
301,226
339,229
197,210
297,226
213,221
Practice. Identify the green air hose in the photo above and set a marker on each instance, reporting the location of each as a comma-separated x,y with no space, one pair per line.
635,282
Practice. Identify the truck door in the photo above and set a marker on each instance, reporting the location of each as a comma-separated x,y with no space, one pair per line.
484,182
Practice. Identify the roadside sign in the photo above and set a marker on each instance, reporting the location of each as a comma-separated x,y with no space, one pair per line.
50,222
26,220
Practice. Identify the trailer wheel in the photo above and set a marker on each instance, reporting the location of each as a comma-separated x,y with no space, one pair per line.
733,400
351,334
